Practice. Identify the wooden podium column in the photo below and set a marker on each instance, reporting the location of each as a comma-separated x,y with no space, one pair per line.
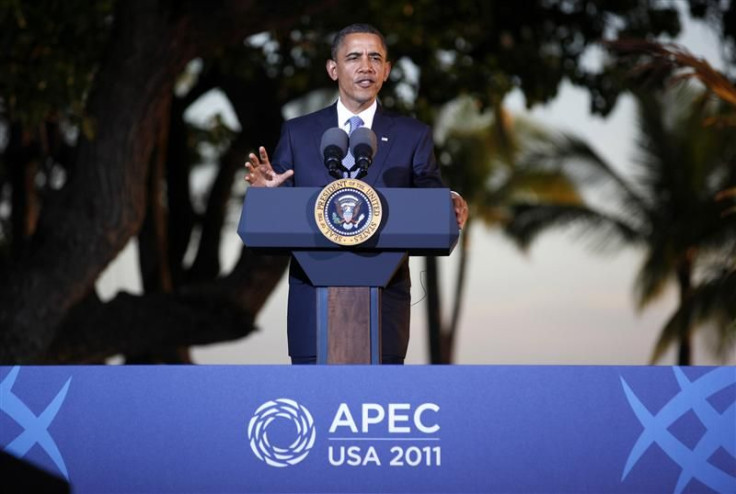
349,325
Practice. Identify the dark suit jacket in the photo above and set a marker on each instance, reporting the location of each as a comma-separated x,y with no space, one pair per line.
404,158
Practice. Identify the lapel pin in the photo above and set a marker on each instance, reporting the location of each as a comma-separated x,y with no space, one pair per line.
384,139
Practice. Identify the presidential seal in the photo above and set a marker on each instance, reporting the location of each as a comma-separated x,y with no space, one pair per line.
348,211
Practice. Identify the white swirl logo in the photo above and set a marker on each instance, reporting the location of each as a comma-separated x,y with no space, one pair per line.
266,414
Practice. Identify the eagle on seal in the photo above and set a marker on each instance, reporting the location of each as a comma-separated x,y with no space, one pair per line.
348,210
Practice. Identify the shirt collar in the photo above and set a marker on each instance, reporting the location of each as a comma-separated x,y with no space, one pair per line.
343,114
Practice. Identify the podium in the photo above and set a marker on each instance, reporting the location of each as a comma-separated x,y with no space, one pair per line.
349,279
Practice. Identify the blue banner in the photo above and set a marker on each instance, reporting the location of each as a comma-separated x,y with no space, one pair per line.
369,429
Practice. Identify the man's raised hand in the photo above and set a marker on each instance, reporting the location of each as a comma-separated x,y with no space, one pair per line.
261,174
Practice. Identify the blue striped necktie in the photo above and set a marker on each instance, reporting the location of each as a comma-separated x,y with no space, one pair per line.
349,161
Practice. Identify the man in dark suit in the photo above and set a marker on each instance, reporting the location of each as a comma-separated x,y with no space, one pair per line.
404,158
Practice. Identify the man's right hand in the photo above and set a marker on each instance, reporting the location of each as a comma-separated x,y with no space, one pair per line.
261,174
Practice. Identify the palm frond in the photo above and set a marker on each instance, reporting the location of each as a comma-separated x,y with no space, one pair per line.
654,274
528,221
668,60
575,158
541,186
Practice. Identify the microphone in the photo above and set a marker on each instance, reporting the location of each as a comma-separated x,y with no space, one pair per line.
363,145
334,147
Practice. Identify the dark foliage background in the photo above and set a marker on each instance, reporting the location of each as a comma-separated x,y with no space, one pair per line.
96,151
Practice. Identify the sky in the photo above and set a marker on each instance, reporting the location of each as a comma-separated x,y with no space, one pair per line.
558,303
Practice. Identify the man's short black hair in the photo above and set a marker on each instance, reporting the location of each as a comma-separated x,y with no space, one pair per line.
355,29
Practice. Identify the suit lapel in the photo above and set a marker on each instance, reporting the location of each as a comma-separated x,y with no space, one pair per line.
382,124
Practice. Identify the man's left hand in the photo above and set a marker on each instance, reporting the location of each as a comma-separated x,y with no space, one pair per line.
461,209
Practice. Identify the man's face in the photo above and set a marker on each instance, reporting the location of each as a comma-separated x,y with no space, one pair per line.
360,70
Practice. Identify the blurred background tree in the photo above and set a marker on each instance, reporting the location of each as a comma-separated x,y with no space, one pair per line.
671,209
711,301
482,153
97,151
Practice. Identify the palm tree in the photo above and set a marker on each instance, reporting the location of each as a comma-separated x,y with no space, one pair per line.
667,206
479,151
712,302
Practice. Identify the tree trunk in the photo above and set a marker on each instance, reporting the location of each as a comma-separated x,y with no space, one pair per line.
84,226
449,346
153,239
684,282
22,155
153,254
87,223
434,311
181,216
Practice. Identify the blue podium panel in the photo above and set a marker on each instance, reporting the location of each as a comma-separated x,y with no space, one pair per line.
375,429
347,268
420,221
